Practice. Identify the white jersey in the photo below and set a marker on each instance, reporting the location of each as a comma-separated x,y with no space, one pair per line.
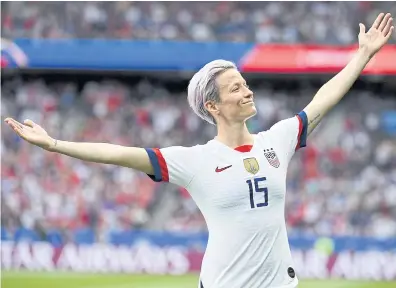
242,198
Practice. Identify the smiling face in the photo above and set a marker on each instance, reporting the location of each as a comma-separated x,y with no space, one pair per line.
236,99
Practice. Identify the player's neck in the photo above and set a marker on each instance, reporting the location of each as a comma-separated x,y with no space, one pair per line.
234,135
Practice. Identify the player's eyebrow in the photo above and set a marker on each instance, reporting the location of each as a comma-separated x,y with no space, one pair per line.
232,81
227,84
235,82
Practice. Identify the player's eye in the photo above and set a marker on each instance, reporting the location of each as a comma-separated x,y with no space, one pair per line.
235,89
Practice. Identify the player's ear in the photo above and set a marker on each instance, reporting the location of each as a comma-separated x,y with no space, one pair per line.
212,107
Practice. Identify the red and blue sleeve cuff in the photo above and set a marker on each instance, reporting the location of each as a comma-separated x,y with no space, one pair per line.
302,130
159,165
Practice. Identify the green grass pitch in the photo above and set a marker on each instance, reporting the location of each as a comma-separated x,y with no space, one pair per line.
76,280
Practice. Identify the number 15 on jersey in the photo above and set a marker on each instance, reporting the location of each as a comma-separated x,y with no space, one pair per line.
255,188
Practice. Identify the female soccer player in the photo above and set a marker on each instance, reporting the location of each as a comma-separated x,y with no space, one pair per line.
238,180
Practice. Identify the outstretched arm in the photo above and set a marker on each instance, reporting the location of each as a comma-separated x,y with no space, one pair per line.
106,153
132,157
335,89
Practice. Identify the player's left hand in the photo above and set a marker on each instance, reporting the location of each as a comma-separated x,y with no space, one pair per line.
376,37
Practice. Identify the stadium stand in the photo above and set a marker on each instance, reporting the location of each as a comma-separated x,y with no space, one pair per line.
343,183
260,22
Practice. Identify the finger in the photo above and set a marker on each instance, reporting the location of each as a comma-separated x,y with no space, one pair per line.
29,123
389,33
16,129
16,123
8,120
377,21
362,28
12,125
388,26
384,22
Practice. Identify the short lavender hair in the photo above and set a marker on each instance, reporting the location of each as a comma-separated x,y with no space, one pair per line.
203,87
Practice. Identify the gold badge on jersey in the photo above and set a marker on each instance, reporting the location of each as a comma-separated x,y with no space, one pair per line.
251,165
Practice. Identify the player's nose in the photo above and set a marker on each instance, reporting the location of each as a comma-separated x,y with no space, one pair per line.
249,94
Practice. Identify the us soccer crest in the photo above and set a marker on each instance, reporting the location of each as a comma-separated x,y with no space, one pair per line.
251,165
271,157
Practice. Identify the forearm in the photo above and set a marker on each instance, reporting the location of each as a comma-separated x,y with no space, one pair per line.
106,153
336,88
92,152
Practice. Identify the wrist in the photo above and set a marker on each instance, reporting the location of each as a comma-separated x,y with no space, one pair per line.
364,54
52,144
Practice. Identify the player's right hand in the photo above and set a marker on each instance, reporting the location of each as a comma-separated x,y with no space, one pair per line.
31,132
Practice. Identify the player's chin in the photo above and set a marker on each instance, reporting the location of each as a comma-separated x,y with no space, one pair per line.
250,111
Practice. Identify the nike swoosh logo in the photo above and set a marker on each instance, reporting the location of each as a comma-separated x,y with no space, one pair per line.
222,169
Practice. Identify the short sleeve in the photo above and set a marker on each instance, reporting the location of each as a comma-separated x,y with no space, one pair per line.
176,164
291,133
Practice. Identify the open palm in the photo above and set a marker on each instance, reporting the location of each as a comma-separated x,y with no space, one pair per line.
31,132
377,35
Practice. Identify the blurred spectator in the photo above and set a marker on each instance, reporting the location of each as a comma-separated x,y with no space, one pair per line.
281,22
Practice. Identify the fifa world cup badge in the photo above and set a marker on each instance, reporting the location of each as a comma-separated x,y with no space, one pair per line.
251,165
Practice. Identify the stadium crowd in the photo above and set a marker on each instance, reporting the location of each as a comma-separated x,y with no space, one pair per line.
261,22
342,183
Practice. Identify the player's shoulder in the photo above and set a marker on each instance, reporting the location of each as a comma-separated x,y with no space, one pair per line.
184,152
284,125
280,130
